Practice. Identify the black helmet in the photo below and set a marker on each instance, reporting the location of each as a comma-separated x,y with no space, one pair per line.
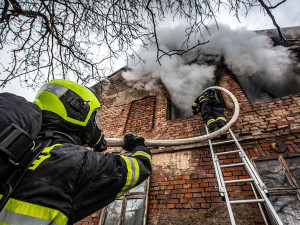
210,92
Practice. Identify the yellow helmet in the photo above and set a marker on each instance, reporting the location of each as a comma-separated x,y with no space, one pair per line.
70,106
73,102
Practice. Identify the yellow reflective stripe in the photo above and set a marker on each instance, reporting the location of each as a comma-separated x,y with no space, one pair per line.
143,154
133,173
36,211
204,99
44,155
195,104
129,176
137,172
221,118
210,121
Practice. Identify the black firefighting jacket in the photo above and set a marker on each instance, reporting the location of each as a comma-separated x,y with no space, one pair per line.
67,182
199,100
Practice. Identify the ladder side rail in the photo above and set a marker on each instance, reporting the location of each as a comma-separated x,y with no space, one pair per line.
259,205
257,181
220,179
219,175
269,205
222,188
248,164
217,169
261,191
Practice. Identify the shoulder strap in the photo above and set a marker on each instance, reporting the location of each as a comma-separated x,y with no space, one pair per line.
20,169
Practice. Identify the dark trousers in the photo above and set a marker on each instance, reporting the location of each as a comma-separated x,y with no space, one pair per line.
213,115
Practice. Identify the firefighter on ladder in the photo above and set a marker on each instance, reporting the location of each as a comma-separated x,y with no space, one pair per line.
211,110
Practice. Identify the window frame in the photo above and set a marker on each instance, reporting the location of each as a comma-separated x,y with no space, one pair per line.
294,187
130,195
171,107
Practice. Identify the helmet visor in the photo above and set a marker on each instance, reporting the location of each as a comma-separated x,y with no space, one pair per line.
97,122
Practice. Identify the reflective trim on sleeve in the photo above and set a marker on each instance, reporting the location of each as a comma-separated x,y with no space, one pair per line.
195,104
210,121
17,212
221,118
204,99
143,154
133,173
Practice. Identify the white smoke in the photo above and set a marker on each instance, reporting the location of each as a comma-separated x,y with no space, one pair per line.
257,64
183,81
250,56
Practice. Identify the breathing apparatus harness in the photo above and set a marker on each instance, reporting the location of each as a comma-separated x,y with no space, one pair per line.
59,106
20,150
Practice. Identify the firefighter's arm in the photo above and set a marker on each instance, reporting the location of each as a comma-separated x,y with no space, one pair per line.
105,177
195,106
136,145
138,165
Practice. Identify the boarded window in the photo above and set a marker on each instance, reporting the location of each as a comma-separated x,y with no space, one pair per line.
281,176
129,209
141,115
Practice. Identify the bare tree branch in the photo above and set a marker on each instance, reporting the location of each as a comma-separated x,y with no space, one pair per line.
79,39
278,4
282,38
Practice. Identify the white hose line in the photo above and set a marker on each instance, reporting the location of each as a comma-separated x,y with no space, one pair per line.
119,142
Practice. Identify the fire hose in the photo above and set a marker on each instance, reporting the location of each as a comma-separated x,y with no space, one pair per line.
119,142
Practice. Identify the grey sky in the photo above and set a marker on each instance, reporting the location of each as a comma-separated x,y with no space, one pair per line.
287,15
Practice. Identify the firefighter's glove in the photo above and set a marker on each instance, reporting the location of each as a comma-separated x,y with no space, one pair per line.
131,141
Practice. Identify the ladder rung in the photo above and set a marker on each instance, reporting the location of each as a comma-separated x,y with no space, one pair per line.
222,142
238,181
229,152
247,201
232,165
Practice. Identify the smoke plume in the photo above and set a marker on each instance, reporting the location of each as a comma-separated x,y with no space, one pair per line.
262,69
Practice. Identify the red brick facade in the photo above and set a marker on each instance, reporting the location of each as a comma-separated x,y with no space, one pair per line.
183,186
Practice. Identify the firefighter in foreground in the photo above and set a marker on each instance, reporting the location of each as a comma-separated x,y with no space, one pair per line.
211,110
68,182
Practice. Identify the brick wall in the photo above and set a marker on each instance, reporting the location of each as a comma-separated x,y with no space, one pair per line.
141,116
183,187
193,190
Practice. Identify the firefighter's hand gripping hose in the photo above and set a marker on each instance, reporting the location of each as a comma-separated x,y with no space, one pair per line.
131,141
119,142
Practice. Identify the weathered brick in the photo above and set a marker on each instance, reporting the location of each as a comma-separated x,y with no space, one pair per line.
189,186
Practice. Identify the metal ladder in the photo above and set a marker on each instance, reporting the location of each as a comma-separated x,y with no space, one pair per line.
253,180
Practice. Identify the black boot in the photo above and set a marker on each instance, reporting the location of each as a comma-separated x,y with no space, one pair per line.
213,127
221,123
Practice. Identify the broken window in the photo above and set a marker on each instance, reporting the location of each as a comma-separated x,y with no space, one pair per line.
263,87
129,209
176,111
282,177
272,173
287,208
